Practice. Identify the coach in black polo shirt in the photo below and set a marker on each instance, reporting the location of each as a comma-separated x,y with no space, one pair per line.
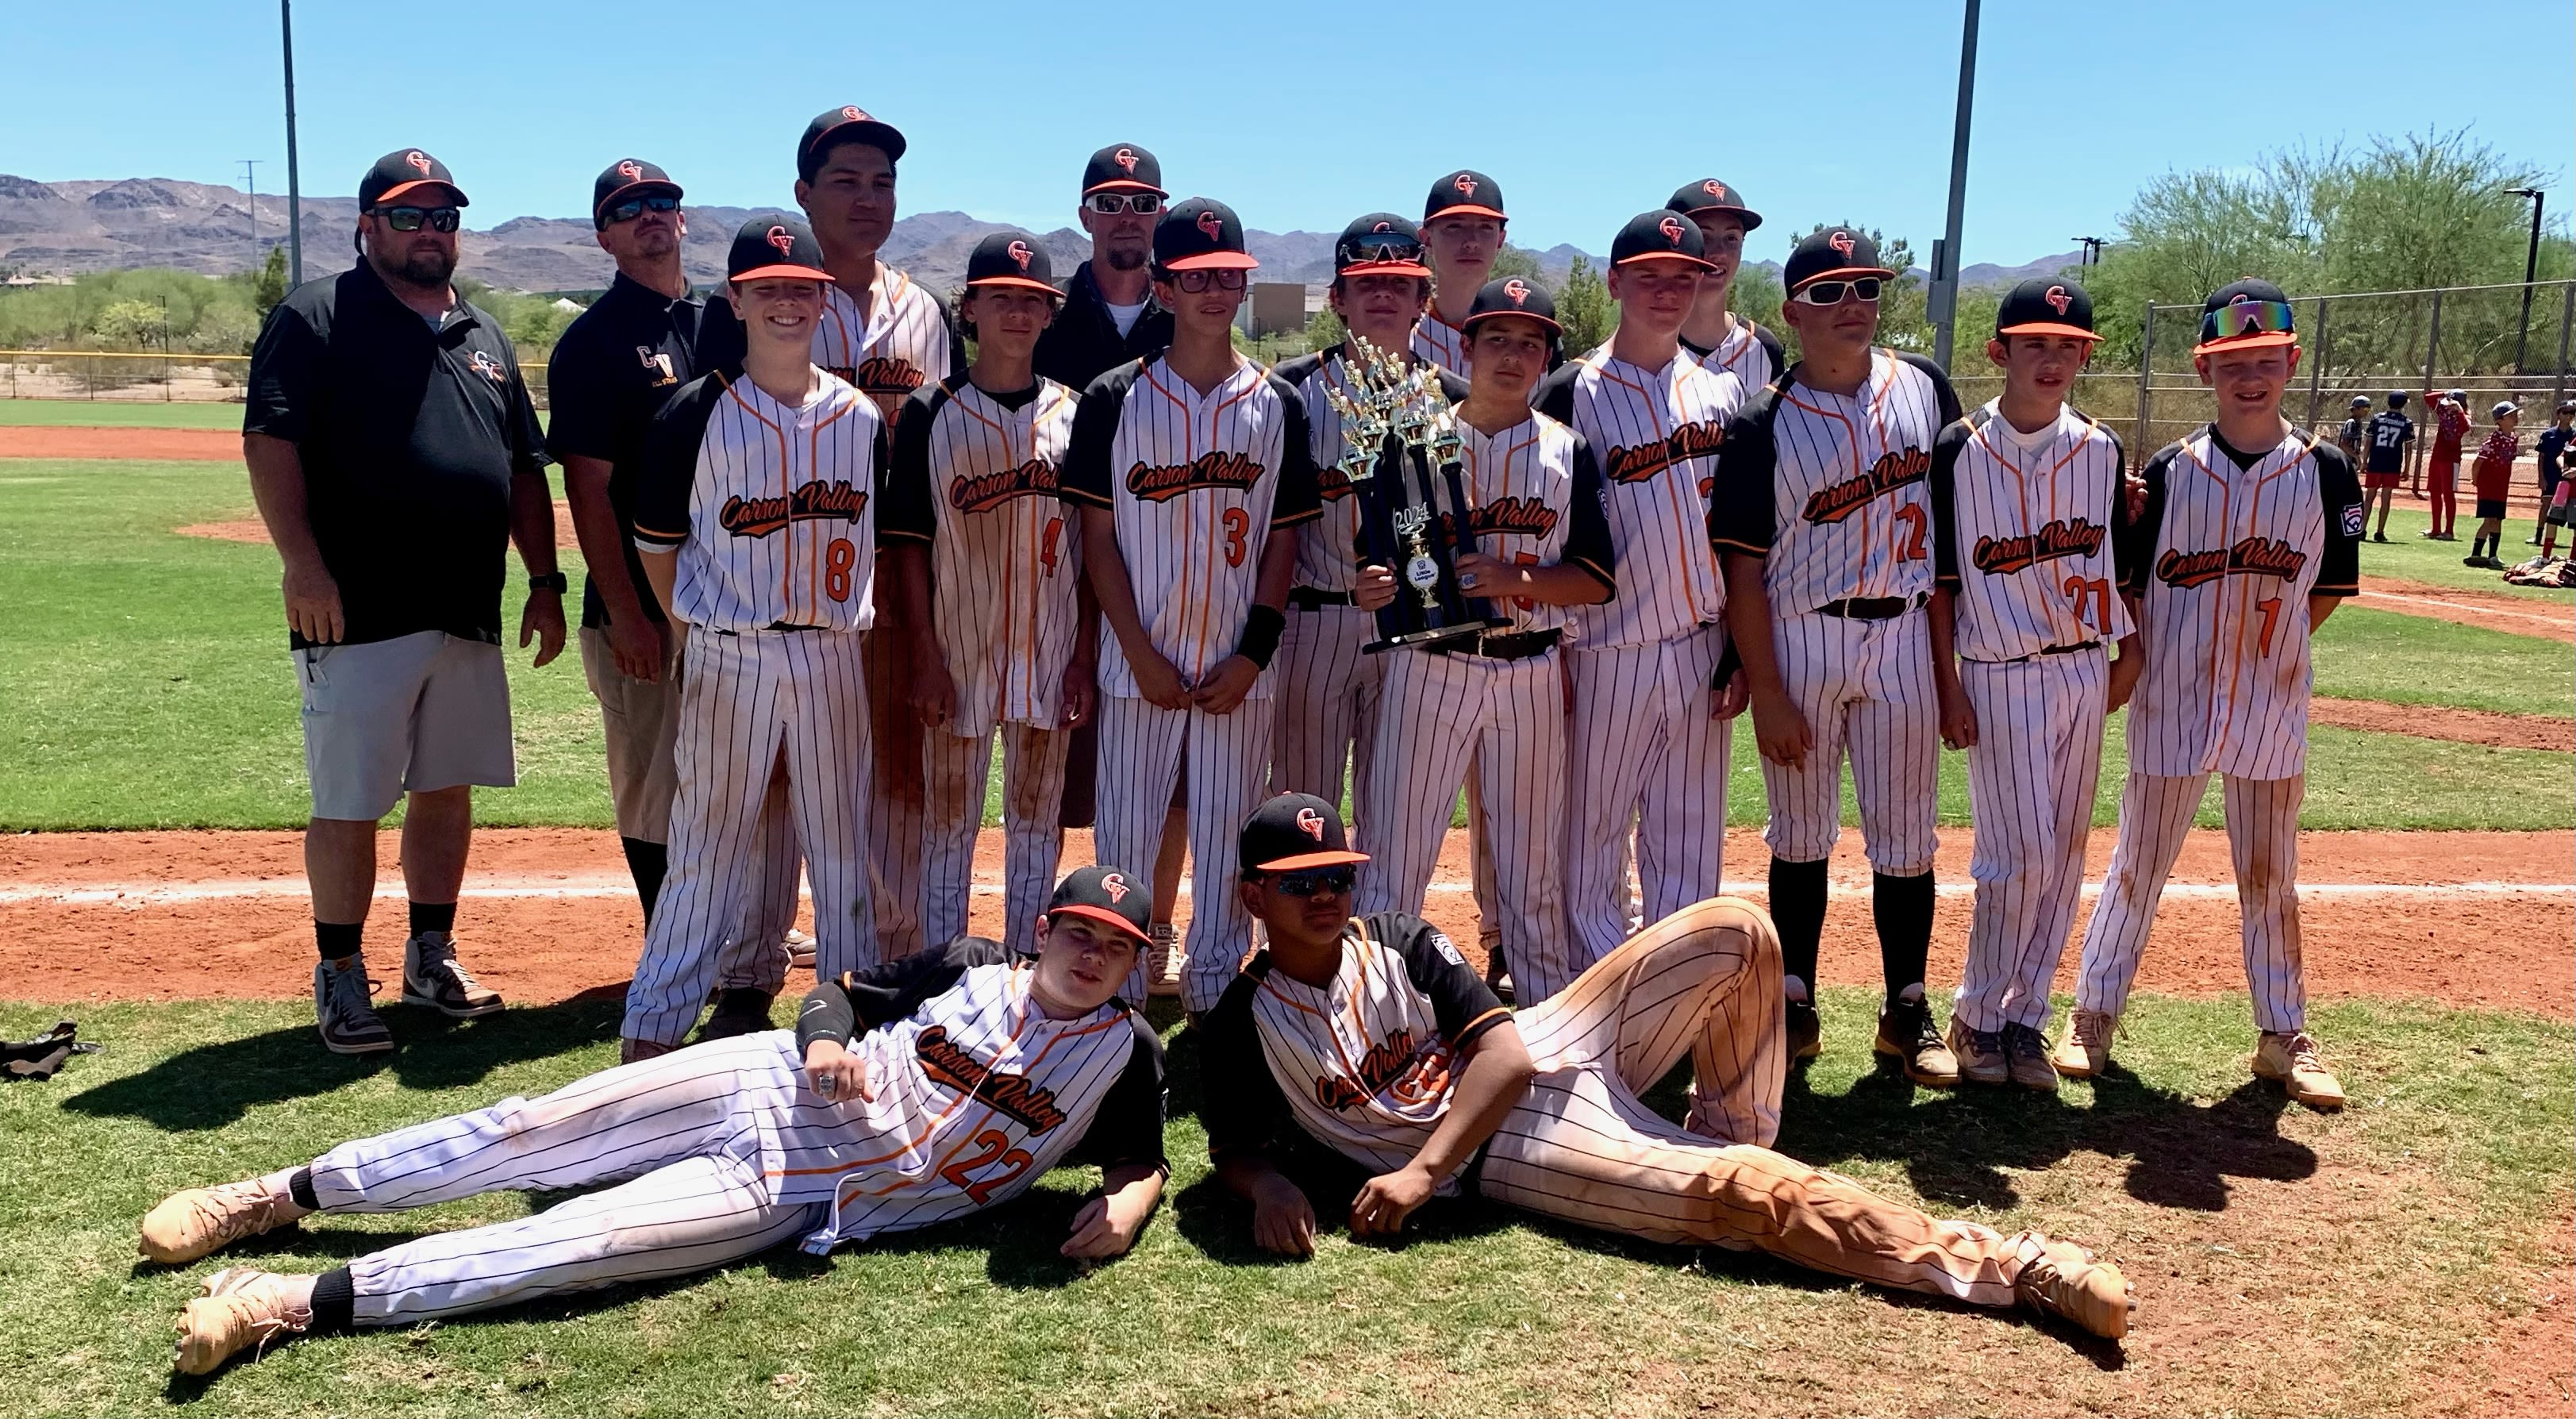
394,454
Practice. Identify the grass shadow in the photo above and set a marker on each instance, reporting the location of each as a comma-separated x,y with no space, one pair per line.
294,1240
215,1085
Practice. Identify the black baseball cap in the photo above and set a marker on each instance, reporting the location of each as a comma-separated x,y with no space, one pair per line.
1513,295
1294,831
846,124
1380,244
621,178
1465,192
767,247
2361,401
2397,399
1710,195
1122,167
2040,306
396,174
1834,254
2245,315
1011,259
1658,235
1107,895
1200,234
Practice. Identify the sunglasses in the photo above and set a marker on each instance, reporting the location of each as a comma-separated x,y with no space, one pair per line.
634,207
1377,246
1336,880
1194,282
1110,204
408,219
2229,322
1836,292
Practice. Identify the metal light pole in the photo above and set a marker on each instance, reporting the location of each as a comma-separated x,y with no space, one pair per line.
1945,263
250,175
2530,269
294,187
2092,250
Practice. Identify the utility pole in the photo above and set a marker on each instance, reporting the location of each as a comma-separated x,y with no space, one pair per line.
294,187
2092,250
250,177
1945,261
2530,269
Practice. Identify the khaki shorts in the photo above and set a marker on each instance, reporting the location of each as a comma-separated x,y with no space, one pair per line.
414,714
642,722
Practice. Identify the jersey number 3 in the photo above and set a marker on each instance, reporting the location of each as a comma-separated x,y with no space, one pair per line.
1238,525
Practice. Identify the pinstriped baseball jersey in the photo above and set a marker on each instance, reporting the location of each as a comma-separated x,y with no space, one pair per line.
1749,352
2227,554
1656,435
902,344
1365,1065
1830,489
1537,499
2023,530
1440,342
1327,548
978,1094
978,477
772,509
1195,485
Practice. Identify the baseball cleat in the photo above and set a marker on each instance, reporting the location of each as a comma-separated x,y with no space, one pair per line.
200,1220
1906,1033
2295,1062
433,977
1806,1036
2026,1059
344,1008
238,1308
2085,1051
1980,1053
2064,1280
740,1010
800,950
1163,961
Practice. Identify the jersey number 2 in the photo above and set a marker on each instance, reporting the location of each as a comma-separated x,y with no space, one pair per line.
989,1145
838,557
1238,524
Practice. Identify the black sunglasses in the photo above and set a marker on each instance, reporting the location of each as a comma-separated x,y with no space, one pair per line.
1377,246
634,207
1336,880
408,219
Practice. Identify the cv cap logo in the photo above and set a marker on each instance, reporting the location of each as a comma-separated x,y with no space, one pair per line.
1466,185
629,169
1213,225
1714,188
1115,885
779,238
1840,241
417,159
1311,823
2057,299
1125,158
1019,252
1671,227
1517,290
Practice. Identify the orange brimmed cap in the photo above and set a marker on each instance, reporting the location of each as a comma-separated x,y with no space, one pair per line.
1292,832
2043,306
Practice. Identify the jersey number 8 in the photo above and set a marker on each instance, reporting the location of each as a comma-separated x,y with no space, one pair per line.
838,558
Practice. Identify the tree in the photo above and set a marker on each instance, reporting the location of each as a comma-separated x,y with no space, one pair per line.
1584,308
1904,314
1324,330
1515,261
132,325
269,287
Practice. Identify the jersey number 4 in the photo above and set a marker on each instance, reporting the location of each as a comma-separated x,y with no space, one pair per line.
990,1146
1046,543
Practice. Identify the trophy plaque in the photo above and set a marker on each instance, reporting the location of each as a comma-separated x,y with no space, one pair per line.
1399,435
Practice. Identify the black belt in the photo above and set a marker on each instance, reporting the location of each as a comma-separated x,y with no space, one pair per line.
774,626
1871,608
1307,598
1520,645
2044,650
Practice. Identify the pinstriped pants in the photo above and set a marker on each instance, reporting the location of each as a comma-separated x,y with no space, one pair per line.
1326,689
1142,748
1647,751
2031,776
1582,1148
889,777
747,702
1865,686
2262,844
956,768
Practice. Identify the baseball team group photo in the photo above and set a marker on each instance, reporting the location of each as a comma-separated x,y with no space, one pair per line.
1580,782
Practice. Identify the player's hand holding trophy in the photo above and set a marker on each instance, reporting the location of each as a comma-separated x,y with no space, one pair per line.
1395,421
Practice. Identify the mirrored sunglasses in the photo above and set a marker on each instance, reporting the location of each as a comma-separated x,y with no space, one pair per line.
1370,247
634,207
1335,880
2242,318
408,219
1110,204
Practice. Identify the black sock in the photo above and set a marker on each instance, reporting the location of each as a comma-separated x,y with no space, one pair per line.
647,862
432,916
335,941
335,1302
299,1185
1798,914
1902,908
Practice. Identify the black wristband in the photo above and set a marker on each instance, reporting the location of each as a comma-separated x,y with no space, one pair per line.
1261,630
551,581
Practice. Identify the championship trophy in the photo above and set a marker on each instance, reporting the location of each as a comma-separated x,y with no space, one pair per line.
1396,420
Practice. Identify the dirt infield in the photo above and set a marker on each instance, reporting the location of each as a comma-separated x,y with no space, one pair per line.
2489,610
2475,919
206,445
251,529
2460,726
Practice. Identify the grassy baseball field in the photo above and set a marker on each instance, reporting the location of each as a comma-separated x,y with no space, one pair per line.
2411,1255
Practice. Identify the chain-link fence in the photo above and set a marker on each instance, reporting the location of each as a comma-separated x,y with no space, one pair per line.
149,377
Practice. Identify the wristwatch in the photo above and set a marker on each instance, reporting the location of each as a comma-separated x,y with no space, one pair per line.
551,581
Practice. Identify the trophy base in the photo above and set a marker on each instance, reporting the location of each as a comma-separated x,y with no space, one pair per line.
1439,635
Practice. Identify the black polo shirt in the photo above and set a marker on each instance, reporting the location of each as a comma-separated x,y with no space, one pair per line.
614,369
409,437
1083,344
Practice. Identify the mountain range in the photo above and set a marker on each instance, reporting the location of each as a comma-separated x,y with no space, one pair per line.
67,228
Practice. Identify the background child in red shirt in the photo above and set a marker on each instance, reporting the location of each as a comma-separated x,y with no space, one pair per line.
2492,475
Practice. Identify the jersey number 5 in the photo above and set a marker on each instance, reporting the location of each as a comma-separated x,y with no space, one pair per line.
838,557
990,1145
1238,525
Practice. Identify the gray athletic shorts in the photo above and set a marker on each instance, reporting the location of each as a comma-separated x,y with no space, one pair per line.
642,723
414,714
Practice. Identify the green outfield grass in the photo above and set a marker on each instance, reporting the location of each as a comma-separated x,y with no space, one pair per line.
149,686
2408,555
119,413
2261,1239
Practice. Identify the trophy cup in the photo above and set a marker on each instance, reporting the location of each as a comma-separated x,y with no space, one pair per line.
1395,420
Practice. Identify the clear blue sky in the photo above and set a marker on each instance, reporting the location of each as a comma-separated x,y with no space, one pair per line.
1300,116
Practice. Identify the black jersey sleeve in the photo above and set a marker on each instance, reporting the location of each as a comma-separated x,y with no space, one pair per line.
907,512
2339,568
721,338
1742,507
1461,1003
2143,535
1240,1103
1128,1130
581,402
526,434
2120,519
1587,532
670,471
285,375
866,1000
1943,395
1299,498
1554,396
1942,486
1086,479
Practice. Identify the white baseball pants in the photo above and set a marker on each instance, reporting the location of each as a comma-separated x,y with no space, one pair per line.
1142,747
1326,690
2031,776
955,769
1648,752
1866,688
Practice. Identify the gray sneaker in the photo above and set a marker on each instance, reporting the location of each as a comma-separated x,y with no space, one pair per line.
344,1008
432,976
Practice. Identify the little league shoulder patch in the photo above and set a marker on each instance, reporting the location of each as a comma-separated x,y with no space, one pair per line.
2352,518
1448,949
